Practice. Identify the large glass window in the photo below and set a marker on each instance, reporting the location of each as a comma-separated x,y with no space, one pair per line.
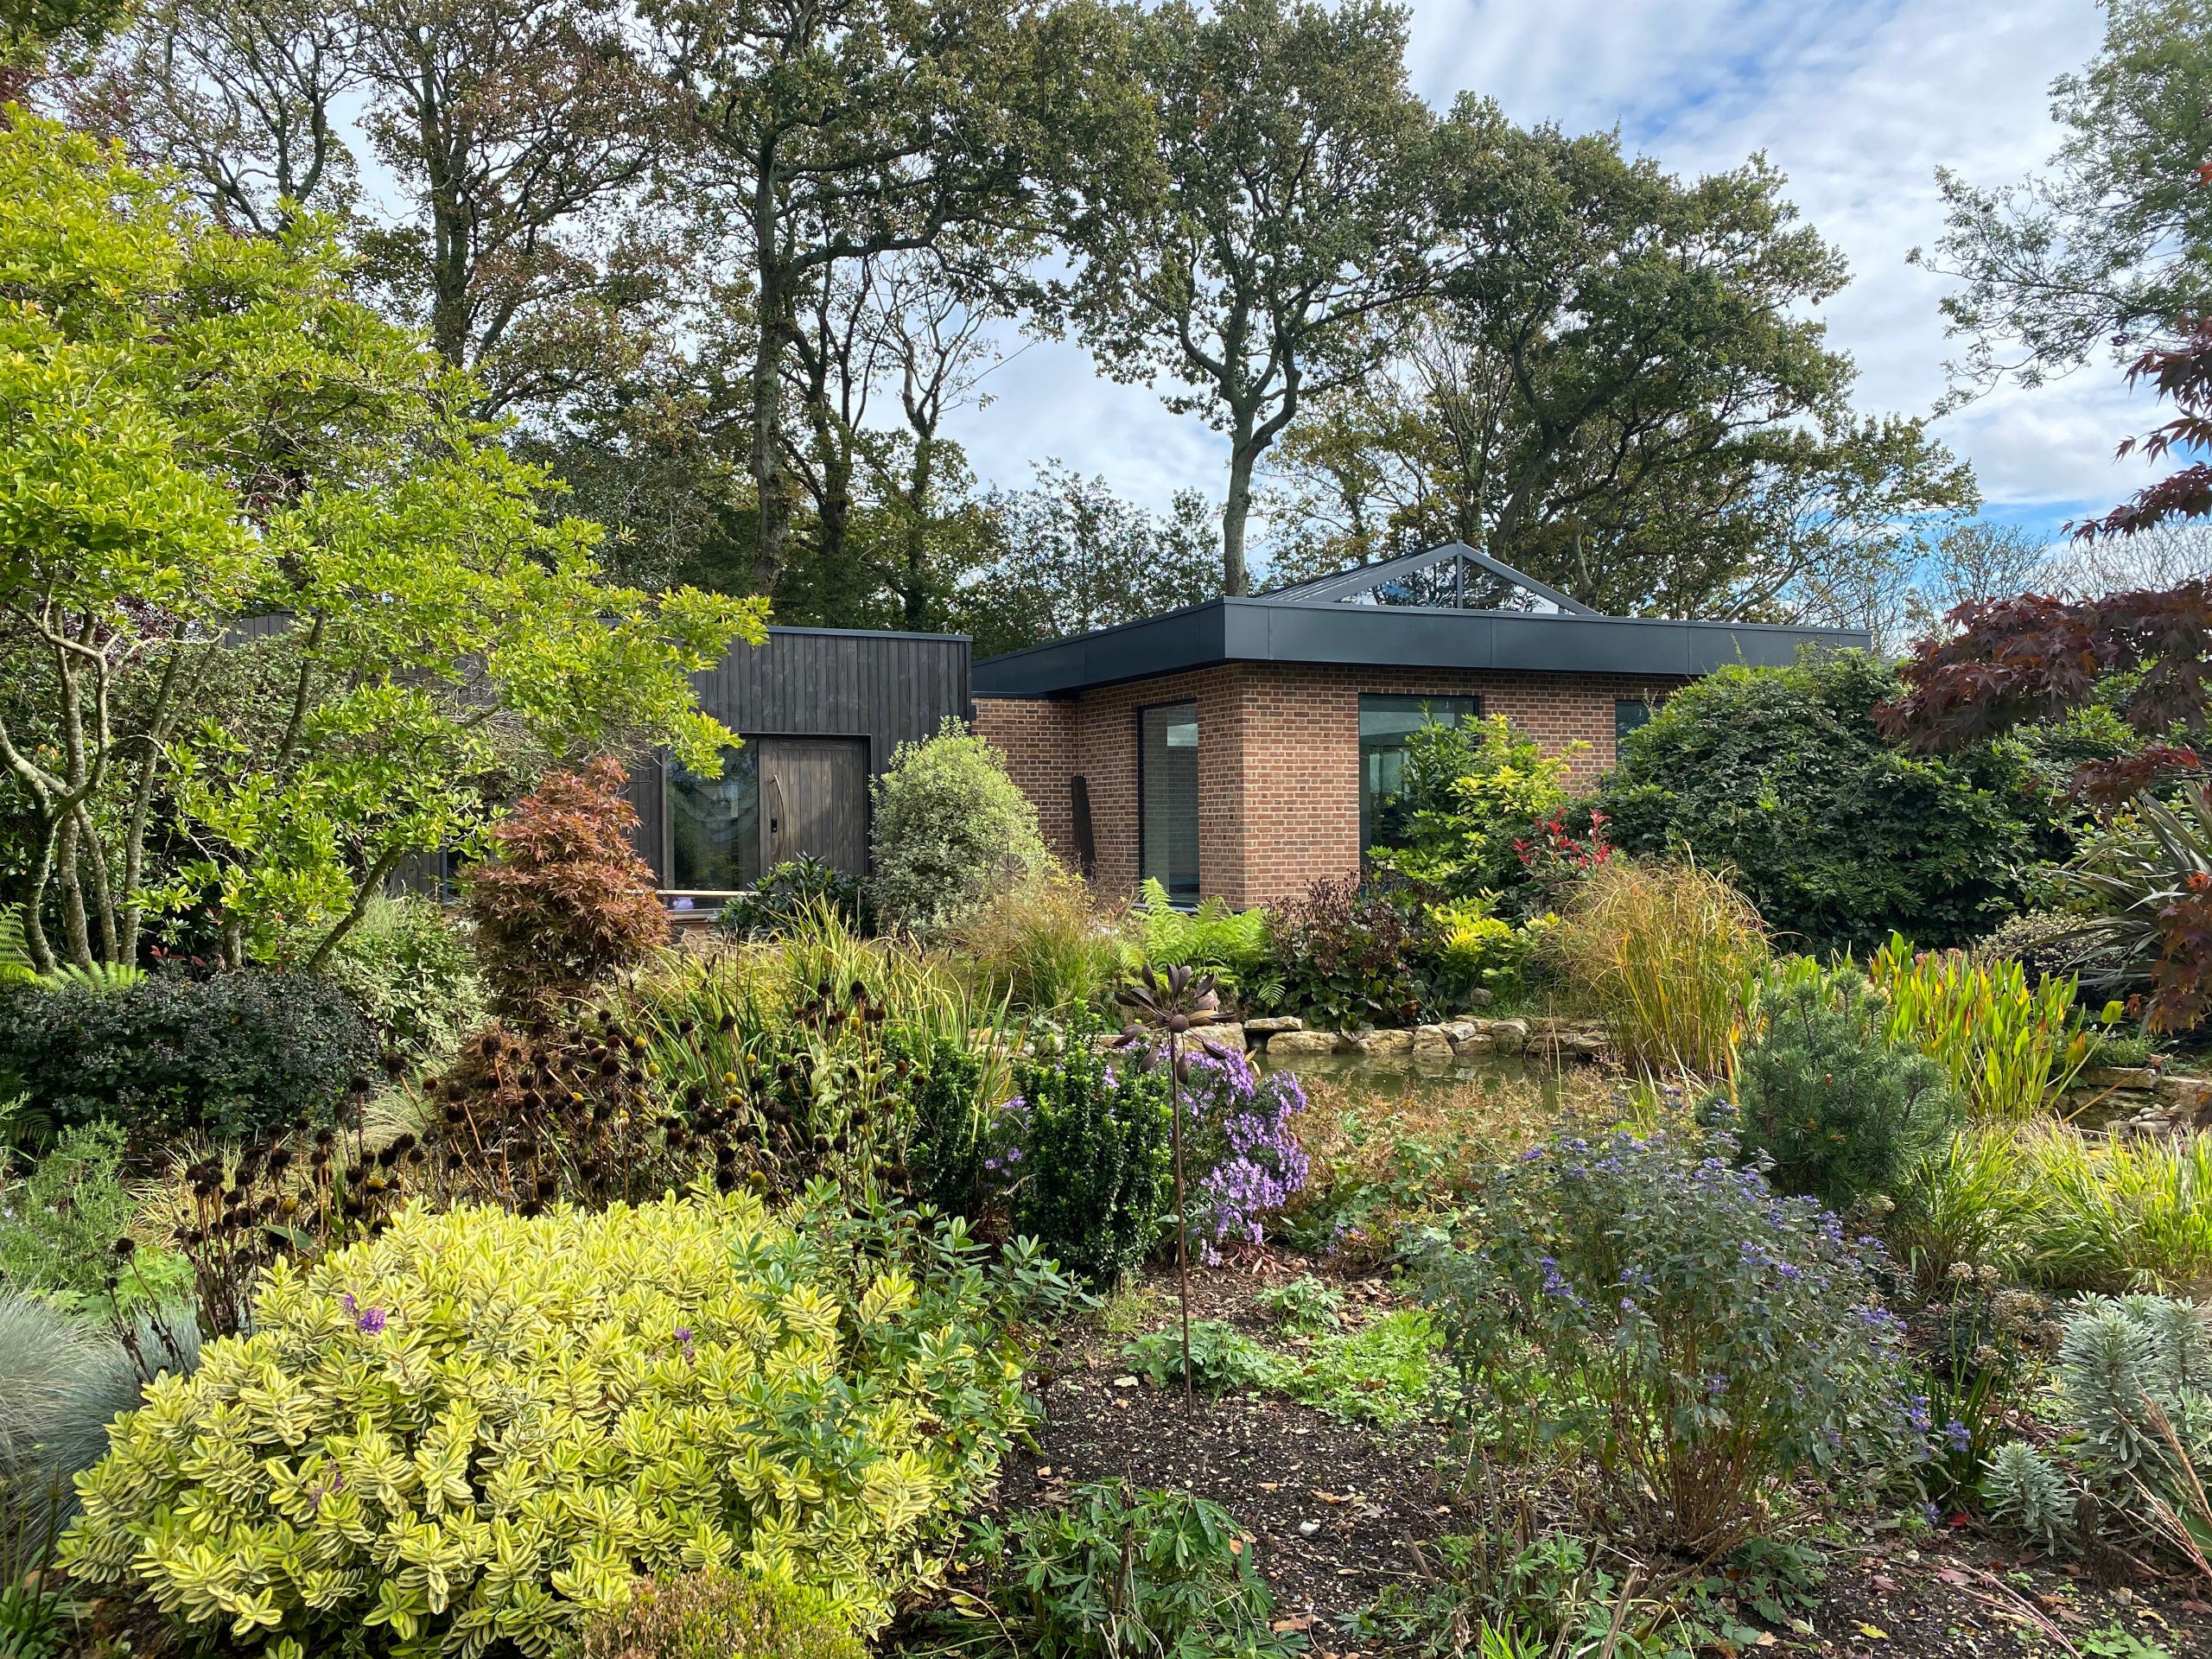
1385,723
714,825
1167,797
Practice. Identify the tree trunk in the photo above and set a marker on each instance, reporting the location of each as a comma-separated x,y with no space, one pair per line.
914,560
771,485
1235,576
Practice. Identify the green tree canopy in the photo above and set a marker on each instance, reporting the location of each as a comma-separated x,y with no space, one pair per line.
1620,390
2112,244
198,427
1283,209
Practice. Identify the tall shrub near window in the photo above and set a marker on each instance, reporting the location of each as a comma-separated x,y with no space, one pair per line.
1838,835
565,900
950,826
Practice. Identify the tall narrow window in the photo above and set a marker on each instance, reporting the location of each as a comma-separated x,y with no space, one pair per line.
714,825
1385,723
1167,797
1628,716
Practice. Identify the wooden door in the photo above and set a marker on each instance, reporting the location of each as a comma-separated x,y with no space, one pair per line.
814,799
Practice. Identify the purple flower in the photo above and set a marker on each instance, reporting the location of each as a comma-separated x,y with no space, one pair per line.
683,1341
1961,1436
1917,1415
348,1303
371,1322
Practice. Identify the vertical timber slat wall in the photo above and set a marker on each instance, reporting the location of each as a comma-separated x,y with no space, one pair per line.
887,689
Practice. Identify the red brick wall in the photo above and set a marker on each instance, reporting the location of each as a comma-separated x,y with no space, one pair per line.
1277,759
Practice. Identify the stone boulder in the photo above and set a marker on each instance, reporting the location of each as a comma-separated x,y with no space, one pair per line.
1508,1036
1273,1024
1286,1043
1432,1043
1379,1043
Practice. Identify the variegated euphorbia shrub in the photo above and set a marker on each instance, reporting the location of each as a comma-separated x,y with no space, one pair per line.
475,1429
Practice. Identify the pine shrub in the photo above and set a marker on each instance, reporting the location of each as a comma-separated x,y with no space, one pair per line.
1843,1114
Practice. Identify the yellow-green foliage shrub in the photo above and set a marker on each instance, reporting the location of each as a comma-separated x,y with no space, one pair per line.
478,1429
718,1614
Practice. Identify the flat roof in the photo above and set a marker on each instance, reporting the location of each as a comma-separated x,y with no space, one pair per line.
1271,629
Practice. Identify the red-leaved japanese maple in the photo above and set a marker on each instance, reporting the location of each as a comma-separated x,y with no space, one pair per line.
2009,661
565,900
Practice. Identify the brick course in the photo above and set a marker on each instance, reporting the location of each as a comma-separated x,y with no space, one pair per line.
1277,759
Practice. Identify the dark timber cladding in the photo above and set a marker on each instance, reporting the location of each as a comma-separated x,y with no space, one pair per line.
883,689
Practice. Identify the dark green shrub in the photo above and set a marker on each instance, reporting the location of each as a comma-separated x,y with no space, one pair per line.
791,891
231,1055
1651,1304
1083,1148
1843,1114
1123,1574
1778,776
945,1147
716,1615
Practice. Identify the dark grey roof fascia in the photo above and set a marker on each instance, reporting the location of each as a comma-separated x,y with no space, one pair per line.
1271,630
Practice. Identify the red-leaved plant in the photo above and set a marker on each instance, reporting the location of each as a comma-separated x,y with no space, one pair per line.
565,900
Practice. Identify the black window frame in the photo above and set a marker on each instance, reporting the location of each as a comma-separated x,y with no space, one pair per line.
745,749
1470,708
1191,894
1631,715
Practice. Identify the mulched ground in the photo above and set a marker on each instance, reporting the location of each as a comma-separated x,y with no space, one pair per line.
1335,1512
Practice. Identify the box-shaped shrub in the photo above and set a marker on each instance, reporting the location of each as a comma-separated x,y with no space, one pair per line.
477,1428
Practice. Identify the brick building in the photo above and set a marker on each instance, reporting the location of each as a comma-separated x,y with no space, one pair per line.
1248,748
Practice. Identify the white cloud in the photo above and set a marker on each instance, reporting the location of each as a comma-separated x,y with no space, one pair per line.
1857,103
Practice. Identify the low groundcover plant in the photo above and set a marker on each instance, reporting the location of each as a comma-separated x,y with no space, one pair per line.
477,1428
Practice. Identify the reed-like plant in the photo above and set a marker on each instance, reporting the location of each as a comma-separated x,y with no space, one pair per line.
1671,957
2120,1213
1972,1200
2009,1046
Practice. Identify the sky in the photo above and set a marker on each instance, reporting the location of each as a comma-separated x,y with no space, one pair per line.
1858,101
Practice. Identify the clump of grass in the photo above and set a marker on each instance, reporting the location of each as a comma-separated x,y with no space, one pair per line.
2067,1211
2120,1214
2007,1046
1045,944
1670,957
1969,1200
